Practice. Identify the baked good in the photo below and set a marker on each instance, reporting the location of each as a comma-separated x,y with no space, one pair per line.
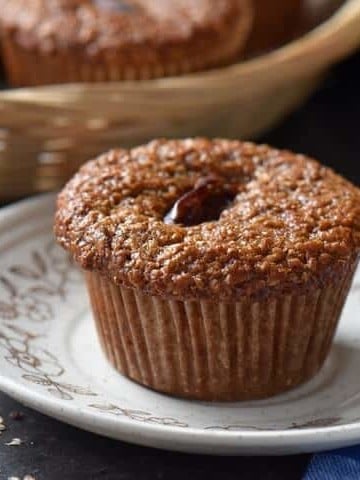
56,41
217,270
275,23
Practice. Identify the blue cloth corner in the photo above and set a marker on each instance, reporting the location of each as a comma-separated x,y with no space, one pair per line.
343,464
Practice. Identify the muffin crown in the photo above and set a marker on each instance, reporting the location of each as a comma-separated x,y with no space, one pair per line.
211,219
120,26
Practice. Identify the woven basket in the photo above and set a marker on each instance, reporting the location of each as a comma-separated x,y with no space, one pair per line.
46,132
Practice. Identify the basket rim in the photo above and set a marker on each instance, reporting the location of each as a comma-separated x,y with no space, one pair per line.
333,28
329,42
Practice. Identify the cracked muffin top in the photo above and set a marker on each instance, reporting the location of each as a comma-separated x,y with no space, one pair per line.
140,29
200,218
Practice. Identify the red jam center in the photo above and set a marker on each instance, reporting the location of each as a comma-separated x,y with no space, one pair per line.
204,203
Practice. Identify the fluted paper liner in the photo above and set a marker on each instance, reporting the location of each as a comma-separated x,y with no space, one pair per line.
31,67
217,351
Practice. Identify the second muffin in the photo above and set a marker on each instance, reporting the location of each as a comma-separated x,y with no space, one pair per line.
217,270
57,41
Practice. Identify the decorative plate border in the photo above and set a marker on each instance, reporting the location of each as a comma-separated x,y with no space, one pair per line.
27,290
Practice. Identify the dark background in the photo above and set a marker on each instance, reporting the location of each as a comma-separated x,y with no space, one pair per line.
327,128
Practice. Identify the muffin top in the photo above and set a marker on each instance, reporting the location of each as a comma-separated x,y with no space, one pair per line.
116,26
200,218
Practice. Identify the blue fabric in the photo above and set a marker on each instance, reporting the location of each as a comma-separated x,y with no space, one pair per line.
341,464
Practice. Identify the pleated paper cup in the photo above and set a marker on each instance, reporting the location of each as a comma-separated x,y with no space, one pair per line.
217,351
30,67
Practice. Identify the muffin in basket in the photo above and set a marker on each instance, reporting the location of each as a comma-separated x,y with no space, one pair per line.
56,41
217,270
275,23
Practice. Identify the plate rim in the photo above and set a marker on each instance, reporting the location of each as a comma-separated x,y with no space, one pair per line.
279,442
187,439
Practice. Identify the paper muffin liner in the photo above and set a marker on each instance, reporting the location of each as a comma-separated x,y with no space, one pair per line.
30,67
217,351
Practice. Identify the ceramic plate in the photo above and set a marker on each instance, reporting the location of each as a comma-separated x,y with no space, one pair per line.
50,360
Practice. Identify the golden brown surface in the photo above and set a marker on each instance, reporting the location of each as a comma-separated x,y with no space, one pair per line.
138,31
293,223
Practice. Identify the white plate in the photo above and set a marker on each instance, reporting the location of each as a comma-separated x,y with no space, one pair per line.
50,360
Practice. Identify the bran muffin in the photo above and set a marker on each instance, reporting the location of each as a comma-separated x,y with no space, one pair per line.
57,41
217,270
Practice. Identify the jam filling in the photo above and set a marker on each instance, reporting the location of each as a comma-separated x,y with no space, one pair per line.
114,5
204,203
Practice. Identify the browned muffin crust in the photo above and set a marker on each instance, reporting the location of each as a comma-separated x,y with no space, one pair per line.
137,31
291,224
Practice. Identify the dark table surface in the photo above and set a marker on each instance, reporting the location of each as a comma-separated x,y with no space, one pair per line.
326,127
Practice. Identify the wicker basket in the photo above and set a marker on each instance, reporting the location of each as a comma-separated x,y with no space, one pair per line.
46,132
